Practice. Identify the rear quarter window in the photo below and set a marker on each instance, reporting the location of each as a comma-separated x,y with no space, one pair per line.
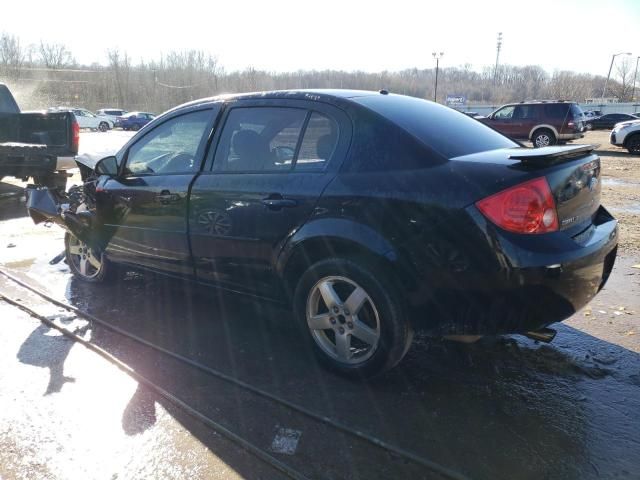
382,146
557,111
447,132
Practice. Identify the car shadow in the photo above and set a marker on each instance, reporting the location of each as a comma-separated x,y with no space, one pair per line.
615,153
546,406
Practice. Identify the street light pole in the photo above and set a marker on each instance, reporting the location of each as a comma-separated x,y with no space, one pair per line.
635,76
437,57
613,57
498,47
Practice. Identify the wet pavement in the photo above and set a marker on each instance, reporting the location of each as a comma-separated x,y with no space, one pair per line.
504,407
68,414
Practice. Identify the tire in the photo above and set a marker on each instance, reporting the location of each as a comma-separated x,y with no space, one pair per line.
633,144
543,138
374,337
103,127
135,127
589,126
80,259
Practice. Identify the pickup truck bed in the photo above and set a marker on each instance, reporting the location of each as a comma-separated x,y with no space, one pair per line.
31,142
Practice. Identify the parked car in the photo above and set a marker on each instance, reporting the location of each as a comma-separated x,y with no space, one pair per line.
544,123
36,144
609,120
134,120
372,214
87,119
627,135
111,113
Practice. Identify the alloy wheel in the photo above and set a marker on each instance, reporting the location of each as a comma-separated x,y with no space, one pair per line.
543,140
84,260
343,320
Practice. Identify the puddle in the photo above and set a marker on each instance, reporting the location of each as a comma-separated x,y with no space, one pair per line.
633,209
615,182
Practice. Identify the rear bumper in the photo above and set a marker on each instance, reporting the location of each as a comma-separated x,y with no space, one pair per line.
536,282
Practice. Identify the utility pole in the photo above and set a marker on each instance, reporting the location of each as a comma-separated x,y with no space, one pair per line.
498,48
437,57
635,76
613,57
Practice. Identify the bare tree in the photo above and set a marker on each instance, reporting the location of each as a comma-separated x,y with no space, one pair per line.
625,70
12,55
55,55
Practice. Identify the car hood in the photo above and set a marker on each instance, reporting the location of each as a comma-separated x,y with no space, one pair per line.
627,122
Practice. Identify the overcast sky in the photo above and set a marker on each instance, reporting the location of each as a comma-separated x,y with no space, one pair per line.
287,35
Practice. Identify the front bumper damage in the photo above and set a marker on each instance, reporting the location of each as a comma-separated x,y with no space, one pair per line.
68,210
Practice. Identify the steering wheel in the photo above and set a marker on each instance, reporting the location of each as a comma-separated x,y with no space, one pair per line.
179,162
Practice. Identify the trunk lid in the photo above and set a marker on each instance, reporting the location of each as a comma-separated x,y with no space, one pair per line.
573,174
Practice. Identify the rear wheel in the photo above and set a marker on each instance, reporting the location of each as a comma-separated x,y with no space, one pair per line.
135,127
355,320
633,145
543,138
86,263
103,127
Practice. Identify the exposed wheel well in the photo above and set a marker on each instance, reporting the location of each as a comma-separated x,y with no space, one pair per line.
314,250
540,129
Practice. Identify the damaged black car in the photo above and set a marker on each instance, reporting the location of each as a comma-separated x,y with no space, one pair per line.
373,214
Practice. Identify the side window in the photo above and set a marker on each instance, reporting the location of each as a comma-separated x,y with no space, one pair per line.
319,142
258,139
557,111
504,113
170,147
524,112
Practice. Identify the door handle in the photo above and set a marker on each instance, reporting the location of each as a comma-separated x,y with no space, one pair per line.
277,202
165,197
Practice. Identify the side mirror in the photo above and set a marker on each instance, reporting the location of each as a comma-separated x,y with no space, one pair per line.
107,166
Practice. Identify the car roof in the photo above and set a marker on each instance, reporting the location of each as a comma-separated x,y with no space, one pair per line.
326,95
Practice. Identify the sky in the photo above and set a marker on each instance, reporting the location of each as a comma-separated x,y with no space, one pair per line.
288,35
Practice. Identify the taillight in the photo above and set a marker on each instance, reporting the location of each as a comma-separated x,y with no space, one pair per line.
526,208
75,137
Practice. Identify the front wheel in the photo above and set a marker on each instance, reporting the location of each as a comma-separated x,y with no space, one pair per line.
543,138
633,145
135,127
86,263
355,319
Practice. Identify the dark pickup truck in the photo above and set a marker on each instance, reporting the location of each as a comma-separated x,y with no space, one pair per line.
32,142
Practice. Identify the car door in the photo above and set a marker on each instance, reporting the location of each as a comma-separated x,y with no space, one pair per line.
144,209
81,118
271,163
502,120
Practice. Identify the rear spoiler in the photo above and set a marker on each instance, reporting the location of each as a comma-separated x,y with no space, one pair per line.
546,156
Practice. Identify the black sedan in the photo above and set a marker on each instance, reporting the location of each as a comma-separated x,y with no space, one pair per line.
609,120
373,214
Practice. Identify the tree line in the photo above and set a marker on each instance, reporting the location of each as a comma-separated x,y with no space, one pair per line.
47,74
